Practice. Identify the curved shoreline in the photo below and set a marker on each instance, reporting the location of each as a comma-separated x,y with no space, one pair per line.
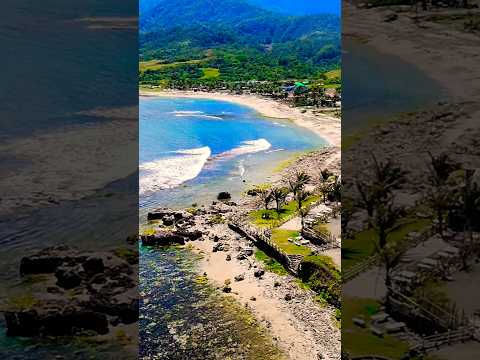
302,329
326,127
401,38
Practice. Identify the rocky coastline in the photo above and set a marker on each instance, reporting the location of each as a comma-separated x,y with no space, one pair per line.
301,326
69,292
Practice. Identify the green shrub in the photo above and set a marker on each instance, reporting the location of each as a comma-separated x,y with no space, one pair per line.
217,219
322,276
270,264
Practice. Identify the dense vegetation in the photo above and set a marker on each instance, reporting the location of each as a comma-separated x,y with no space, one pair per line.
230,40
300,7
321,275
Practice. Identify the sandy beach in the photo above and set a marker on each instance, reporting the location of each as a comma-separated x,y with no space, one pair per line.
301,328
327,127
432,47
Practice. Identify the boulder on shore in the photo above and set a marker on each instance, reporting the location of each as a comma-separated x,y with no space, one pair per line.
169,214
259,273
189,234
163,238
239,277
224,196
218,247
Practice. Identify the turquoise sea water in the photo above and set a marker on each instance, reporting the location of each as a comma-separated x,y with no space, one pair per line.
191,149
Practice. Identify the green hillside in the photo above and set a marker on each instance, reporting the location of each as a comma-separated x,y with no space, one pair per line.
235,41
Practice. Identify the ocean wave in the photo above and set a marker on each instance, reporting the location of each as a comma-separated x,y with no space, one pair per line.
172,171
246,147
273,151
199,114
186,113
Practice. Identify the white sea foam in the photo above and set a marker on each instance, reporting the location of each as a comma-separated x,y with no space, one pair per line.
247,147
274,150
172,171
199,114
241,168
187,113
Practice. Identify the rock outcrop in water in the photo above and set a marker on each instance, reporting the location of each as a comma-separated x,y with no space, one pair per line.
160,214
224,196
79,291
166,237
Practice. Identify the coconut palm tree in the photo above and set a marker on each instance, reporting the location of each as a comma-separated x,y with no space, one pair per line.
266,197
386,220
279,195
440,195
470,203
297,182
325,174
385,178
300,199
390,256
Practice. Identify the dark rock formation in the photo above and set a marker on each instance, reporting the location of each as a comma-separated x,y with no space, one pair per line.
168,220
93,290
218,247
163,238
169,214
48,260
258,273
224,196
93,265
68,278
192,235
239,277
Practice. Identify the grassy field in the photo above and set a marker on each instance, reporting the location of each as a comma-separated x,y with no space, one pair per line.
360,341
362,245
210,73
332,74
158,64
274,218
271,264
280,237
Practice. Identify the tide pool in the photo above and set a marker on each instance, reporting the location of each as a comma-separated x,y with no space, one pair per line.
191,149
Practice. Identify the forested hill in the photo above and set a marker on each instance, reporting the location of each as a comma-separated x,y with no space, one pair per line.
236,39
300,7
